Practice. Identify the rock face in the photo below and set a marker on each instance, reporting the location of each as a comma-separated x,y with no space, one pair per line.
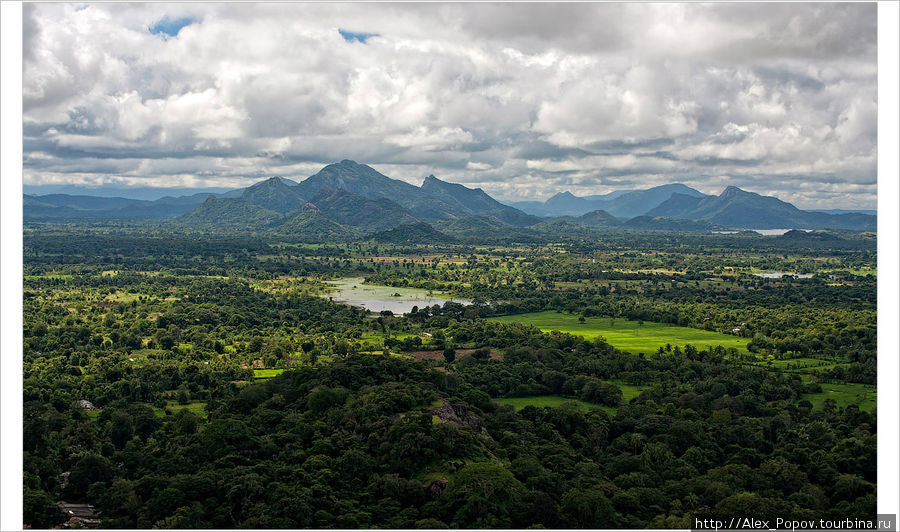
456,415
437,486
309,207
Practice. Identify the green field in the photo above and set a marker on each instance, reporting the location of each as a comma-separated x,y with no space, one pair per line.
803,365
626,335
197,408
863,395
266,373
629,392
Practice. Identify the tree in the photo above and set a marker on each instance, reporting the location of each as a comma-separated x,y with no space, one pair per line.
39,510
587,509
121,428
449,355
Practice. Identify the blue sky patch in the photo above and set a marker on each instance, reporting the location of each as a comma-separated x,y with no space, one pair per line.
351,36
169,27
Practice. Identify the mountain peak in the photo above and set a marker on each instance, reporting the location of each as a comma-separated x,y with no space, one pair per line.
563,195
732,190
275,194
274,181
348,162
430,179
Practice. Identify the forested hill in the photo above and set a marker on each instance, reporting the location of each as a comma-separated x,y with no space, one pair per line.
372,441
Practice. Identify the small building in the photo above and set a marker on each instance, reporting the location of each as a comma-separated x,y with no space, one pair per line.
87,405
80,515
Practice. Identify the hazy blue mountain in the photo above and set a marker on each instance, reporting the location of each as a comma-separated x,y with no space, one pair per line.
677,205
593,219
193,199
736,208
612,195
470,201
532,207
638,202
135,193
565,203
622,204
62,207
661,223
84,203
560,204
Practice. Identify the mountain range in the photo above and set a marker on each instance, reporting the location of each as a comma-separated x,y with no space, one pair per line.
348,200
622,204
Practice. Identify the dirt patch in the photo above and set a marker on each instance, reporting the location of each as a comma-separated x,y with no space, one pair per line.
437,486
438,354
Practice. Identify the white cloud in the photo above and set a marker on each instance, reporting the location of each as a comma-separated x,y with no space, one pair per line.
605,95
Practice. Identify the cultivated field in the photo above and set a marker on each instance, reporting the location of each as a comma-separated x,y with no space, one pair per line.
626,335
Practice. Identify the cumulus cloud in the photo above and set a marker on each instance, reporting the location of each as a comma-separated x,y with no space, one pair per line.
522,100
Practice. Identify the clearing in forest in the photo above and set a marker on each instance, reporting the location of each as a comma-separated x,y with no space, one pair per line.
626,335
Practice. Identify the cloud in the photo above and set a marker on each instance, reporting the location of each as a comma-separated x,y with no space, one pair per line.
523,100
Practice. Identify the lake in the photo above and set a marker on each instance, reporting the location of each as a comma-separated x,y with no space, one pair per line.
764,232
351,291
779,275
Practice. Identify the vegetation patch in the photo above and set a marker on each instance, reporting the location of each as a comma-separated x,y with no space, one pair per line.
197,408
551,401
266,373
626,335
862,395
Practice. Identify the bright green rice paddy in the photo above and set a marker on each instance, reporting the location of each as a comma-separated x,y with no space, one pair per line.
626,335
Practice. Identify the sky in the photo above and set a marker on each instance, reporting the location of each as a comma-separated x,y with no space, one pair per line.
522,100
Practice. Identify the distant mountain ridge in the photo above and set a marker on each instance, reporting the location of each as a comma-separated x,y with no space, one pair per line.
740,209
621,204
354,199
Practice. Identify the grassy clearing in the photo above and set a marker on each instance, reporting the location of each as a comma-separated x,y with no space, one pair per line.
198,408
863,395
802,365
122,297
61,276
629,392
861,272
624,334
266,373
